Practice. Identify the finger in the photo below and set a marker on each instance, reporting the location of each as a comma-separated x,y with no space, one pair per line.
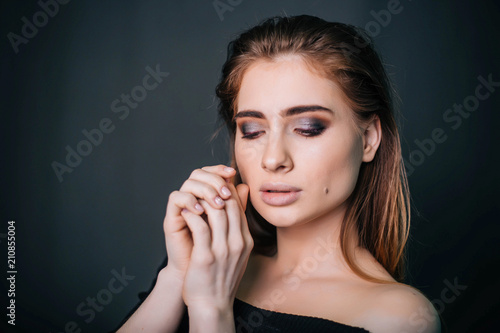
240,242
243,190
204,191
217,176
199,229
218,222
224,171
235,239
239,236
176,202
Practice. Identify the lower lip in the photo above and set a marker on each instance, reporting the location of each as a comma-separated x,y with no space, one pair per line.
279,198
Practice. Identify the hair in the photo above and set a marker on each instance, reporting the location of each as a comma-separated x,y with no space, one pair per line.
378,208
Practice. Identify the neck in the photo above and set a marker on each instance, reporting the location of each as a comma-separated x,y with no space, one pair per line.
313,248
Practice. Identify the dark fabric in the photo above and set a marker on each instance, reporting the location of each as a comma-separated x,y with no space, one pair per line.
250,319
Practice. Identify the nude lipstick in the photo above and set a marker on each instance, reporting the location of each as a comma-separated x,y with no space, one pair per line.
279,194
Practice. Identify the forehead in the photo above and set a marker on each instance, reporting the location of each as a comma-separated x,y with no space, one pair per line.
271,86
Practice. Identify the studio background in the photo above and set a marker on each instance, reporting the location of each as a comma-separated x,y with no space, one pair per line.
75,233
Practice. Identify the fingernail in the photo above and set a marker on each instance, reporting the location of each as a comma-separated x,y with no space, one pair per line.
184,210
219,201
228,169
225,191
198,207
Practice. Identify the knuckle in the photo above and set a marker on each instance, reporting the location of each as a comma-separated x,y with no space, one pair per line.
194,173
184,185
237,245
220,251
173,195
178,197
217,181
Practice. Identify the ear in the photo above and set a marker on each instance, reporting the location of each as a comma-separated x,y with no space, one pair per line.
371,139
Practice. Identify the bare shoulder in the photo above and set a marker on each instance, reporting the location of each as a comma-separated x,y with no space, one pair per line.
399,308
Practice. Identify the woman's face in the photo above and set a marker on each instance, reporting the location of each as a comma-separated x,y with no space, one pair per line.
297,146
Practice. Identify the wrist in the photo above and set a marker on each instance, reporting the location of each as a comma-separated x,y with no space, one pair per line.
171,274
210,319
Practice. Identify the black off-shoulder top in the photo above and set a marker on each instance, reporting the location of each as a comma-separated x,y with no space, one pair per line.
250,319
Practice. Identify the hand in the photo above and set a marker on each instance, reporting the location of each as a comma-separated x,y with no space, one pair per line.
219,255
209,184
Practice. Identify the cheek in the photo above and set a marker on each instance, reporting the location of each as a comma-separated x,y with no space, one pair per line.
245,154
337,171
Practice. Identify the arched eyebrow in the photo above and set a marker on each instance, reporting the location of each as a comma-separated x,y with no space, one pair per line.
292,111
304,108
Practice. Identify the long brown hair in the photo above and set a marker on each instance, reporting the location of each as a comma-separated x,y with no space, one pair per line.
378,210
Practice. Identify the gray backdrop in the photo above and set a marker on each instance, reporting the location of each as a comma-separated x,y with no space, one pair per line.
64,70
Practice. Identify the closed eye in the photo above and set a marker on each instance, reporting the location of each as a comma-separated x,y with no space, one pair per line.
252,135
251,130
310,132
310,127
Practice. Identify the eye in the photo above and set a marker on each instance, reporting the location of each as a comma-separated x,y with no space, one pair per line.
310,127
251,131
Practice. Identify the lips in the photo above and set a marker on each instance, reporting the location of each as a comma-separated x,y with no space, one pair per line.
279,194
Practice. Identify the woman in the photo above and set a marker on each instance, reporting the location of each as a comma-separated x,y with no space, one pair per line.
306,231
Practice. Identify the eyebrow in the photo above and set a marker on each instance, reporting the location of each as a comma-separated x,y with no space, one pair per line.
292,111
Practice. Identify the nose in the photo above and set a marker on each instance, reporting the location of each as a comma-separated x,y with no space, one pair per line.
276,156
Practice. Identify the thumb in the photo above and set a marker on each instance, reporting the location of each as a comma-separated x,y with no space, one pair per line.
243,191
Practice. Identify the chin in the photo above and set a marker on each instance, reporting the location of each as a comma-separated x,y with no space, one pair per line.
281,217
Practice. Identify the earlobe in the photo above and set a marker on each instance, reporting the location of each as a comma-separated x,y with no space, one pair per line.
371,139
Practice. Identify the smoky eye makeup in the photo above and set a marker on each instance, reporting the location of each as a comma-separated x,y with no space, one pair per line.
303,126
310,126
250,129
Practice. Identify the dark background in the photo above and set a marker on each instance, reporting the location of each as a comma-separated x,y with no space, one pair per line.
107,213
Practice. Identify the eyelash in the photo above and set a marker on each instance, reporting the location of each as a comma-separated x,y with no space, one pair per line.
311,132
304,132
251,135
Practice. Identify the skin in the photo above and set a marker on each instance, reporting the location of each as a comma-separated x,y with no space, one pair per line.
293,127
273,146
208,215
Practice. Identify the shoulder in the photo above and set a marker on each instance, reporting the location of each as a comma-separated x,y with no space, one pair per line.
399,308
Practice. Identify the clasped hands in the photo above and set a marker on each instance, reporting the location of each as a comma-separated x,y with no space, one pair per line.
207,238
